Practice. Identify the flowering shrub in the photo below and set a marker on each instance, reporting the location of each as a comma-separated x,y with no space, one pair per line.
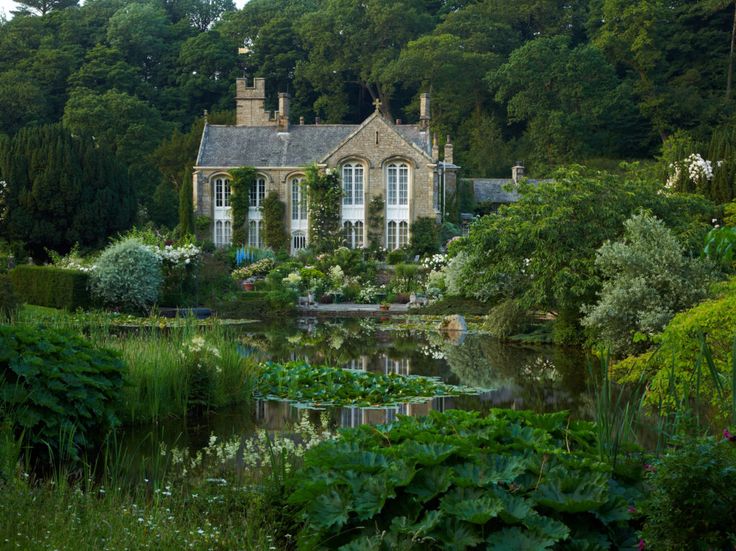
259,268
368,294
128,275
174,256
72,260
694,170
435,262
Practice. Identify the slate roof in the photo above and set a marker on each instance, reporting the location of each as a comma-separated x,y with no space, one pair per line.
493,190
265,146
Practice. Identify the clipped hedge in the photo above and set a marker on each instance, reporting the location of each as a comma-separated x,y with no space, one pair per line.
52,287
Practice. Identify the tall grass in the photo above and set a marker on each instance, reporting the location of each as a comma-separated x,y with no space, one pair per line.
181,371
623,419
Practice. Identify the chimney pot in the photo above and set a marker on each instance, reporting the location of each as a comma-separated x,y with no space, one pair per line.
424,114
517,171
301,121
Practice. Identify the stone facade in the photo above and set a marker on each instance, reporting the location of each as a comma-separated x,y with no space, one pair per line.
376,158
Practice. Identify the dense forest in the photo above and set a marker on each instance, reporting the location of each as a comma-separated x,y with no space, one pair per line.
547,81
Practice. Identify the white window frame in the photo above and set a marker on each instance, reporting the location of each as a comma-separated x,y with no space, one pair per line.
222,211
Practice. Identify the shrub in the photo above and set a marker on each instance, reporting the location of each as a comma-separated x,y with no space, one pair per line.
425,236
58,389
648,279
128,275
406,278
397,256
506,318
692,498
455,272
511,480
274,229
674,363
8,299
52,287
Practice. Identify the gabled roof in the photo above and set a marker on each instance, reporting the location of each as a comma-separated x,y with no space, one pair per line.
498,190
264,146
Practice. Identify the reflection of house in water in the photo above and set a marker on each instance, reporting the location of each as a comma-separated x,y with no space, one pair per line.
355,416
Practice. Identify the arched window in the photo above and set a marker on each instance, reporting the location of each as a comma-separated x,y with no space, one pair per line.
222,192
298,241
358,243
352,184
403,234
257,192
347,228
252,233
397,184
391,236
298,200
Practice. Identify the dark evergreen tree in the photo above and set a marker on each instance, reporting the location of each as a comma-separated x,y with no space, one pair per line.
60,190
186,207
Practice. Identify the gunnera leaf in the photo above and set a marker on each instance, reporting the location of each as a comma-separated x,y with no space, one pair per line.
517,539
572,492
547,527
365,543
428,454
515,508
430,481
456,534
371,497
330,509
476,511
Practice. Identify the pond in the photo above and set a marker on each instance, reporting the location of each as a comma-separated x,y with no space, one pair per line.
542,378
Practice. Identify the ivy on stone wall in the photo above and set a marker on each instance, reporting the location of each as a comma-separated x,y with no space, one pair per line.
274,228
324,192
375,222
243,180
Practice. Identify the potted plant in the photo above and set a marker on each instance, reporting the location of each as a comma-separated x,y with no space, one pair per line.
384,306
249,284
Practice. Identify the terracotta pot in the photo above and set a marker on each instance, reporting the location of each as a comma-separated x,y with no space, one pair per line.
248,286
385,307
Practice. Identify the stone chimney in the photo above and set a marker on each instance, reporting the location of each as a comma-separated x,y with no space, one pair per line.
424,115
301,121
448,151
283,116
517,172
435,149
250,103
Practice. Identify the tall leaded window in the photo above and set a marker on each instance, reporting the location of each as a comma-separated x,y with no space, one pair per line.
257,192
397,184
252,233
219,233
298,241
358,242
391,236
298,200
352,184
403,234
222,192
347,228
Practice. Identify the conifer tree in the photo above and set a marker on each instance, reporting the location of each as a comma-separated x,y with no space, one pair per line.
186,206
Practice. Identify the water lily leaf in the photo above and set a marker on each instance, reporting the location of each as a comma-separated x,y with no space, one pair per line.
430,481
517,539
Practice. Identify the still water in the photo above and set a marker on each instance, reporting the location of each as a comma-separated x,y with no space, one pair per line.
542,378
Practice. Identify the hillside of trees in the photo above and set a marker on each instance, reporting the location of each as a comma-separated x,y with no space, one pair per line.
547,81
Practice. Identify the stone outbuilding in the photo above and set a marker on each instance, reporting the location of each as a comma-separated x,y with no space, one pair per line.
399,162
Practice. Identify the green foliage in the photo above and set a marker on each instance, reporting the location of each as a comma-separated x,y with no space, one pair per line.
9,302
691,497
53,287
128,276
542,249
324,192
425,238
164,207
512,480
274,226
375,218
244,178
323,386
406,278
719,246
677,368
507,318
397,256
59,390
648,278
186,208
57,187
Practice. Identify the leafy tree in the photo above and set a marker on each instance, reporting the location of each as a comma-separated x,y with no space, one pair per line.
647,279
541,250
42,7
186,206
164,207
61,190
203,13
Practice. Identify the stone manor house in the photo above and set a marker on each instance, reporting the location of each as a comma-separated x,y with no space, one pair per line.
399,162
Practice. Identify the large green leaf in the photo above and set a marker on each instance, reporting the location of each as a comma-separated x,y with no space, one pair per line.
572,492
517,539
371,496
476,511
330,509
427,454
430,481
456,534
547,527
515,508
